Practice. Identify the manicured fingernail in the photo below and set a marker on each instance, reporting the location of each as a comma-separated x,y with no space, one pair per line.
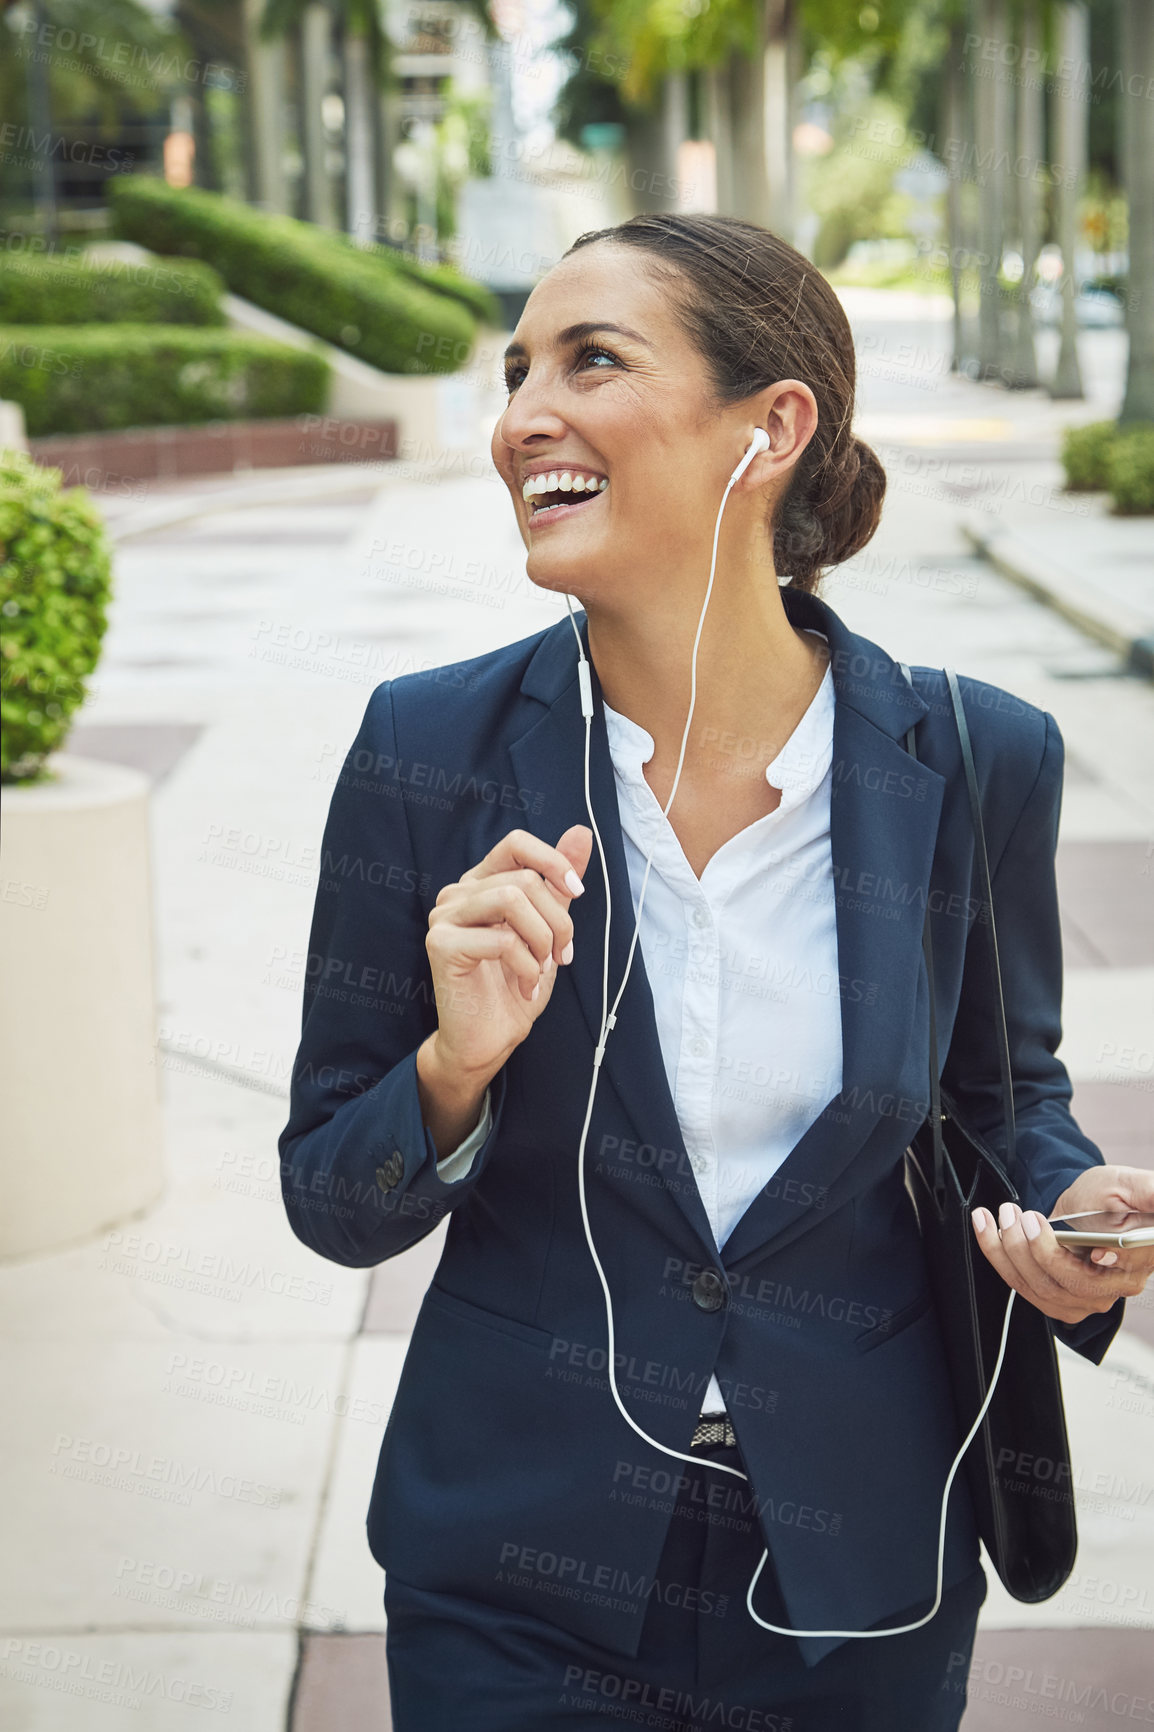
567,953
535,994
1109,1258
982,1221
1006,1215
1030,1226
574,884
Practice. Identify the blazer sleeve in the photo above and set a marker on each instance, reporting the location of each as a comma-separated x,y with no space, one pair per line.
359,1168
1052,1148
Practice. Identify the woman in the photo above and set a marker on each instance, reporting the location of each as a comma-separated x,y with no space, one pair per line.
548,1562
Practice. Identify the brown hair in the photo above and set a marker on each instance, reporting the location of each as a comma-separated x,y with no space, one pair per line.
757,311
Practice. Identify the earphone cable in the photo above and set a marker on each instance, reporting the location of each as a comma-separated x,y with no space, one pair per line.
608,1021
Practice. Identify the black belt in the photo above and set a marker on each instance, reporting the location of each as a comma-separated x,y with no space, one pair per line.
714,1428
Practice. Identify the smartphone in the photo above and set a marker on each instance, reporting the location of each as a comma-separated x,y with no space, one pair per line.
1121,1230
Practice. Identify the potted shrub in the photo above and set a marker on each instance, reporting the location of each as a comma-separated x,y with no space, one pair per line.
77,1006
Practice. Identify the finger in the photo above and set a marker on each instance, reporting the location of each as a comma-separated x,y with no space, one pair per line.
576,843
1029,1241
469,945
1021,1239
485,904
1060,1305
1126,1272
521,848
553,909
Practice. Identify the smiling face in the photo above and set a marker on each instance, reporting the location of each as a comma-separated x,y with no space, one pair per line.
611,407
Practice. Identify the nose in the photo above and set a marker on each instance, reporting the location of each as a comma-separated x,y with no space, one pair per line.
531,416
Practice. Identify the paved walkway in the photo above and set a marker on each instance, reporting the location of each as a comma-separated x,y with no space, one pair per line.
993,455
194,1404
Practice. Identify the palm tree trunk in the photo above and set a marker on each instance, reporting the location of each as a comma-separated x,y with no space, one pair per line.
990,127
315,31
779,114
647,161
360,204
675,130
40,117
1030,137
751,198
955,133
719,120
1137,123
1070,127
266,64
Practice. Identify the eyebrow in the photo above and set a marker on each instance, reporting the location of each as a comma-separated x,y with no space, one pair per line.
574,333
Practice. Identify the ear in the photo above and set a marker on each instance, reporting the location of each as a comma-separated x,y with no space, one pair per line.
790,416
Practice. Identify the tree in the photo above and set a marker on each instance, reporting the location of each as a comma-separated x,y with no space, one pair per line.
1071,95
214,31
748,56
83,88
1136,21
1030,145
365,55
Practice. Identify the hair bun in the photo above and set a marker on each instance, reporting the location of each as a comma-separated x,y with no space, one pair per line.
850,510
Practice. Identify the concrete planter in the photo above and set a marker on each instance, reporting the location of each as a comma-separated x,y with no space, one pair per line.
83,1144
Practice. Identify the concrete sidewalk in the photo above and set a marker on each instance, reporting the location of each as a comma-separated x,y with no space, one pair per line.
1095,569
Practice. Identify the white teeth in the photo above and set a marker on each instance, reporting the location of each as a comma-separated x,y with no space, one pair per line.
562,481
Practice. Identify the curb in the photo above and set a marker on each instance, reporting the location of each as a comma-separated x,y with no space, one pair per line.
1102,617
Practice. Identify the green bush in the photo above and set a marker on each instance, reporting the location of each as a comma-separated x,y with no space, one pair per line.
1085,451
78,291
1130,470
90,378
348,295
55,583
481,302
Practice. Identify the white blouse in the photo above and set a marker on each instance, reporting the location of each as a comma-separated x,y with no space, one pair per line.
742,966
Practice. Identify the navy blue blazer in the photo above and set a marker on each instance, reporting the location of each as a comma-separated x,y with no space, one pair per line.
506,1472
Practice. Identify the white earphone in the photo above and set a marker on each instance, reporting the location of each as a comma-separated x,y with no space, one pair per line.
759,442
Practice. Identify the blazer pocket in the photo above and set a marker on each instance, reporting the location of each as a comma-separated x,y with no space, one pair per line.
440,1300
895,1325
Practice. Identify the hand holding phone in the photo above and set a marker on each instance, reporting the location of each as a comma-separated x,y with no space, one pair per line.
1119,1229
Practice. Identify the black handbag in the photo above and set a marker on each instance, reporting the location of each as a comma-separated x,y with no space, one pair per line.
1018,1464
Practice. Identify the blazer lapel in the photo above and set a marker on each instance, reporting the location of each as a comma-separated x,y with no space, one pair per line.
551,757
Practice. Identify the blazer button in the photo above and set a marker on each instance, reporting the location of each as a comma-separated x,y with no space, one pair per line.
390,1174
709,1291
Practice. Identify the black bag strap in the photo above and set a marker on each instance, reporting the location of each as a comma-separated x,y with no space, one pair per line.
985,916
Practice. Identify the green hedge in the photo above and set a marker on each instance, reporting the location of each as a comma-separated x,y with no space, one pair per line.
90,378
351,297
1130,471
55,583
1084,453
78,291
481,302
1106,457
